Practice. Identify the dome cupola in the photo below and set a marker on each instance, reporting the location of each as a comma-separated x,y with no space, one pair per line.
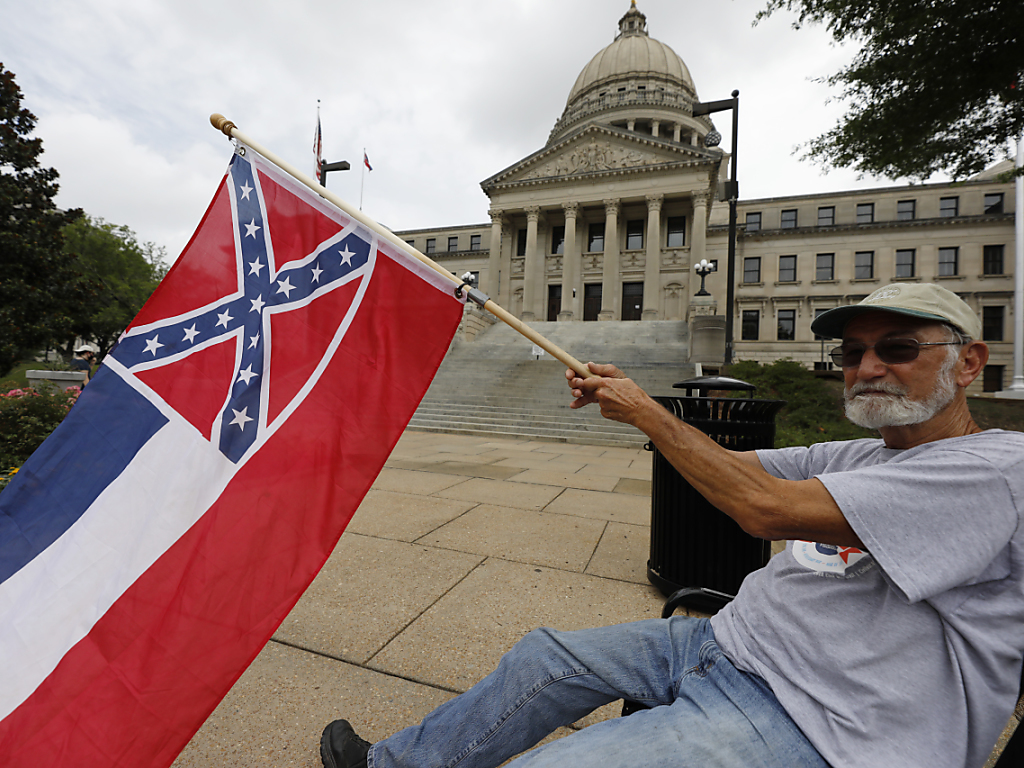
637,83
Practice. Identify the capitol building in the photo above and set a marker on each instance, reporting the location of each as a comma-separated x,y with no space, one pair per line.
607,221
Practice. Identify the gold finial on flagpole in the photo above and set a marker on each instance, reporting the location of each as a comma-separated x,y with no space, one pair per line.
222,124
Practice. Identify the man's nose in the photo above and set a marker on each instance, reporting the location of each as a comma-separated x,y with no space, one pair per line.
871,365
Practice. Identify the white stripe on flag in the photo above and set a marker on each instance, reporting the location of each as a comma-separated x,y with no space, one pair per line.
54,601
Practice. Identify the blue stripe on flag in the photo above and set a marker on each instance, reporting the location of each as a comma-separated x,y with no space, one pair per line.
60,481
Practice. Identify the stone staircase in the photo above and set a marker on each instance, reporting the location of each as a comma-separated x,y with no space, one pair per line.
493,385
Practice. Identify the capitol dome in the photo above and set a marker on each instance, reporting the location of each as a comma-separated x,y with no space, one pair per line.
636,82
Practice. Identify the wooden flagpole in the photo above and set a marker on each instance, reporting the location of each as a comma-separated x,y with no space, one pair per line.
230,130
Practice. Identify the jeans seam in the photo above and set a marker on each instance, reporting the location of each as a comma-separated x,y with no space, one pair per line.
504,717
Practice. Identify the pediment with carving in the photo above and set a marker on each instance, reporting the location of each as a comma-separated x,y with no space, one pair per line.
599,151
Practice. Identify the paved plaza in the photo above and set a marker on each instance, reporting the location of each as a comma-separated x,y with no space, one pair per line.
463,545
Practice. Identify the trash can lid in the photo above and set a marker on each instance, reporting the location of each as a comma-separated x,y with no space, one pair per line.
705,383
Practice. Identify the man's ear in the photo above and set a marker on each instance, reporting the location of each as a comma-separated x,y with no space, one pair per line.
974,357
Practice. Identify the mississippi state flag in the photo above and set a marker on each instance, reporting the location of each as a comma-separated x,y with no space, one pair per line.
155,541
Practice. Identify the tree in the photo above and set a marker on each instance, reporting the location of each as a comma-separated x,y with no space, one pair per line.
936,86
39,291
117,271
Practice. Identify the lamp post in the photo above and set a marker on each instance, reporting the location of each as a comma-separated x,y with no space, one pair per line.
732,194
342,165
704,268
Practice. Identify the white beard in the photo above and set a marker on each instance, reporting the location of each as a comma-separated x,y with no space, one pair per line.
895,408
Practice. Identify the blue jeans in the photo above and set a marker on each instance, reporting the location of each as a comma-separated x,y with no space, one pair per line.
705,711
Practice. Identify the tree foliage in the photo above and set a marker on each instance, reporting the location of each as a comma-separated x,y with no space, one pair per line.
814,407
936,87
40,294
118,272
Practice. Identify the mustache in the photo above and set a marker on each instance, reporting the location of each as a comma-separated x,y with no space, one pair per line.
862,387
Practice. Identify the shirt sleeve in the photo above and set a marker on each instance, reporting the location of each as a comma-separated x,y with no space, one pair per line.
933,520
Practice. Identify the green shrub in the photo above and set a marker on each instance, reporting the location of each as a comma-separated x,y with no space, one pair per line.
814,406
27,417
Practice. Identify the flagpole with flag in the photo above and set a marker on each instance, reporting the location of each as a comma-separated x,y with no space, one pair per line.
318,146
156,540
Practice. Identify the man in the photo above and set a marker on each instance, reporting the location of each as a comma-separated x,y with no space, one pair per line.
82,361
889,633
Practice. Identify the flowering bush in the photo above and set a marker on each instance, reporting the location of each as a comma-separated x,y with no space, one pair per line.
27,417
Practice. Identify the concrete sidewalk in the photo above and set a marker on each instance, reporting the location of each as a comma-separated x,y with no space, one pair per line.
463,545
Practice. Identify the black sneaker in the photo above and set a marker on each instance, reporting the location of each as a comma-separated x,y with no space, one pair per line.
341,748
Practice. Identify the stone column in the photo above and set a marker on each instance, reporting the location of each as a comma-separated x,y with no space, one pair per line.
677,130
655,127
699,228
492,284
531,265
610,274
652,263
570,261
508,244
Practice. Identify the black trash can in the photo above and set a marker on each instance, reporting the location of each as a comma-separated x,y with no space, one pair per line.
693,544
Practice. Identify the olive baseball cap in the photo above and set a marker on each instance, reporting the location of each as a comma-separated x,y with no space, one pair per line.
925,300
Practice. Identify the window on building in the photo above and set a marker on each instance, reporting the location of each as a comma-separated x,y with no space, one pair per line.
595,238
864,265
521,242
752,269
787,325
751,325
411,242
431,245
788,220
865,213
949,262
825,266
949,206
826,216
474,242
453,244
994,202
992,259
676,232
905,262
992,323
753,221
906,210
992,378
558,239
787,269
635,235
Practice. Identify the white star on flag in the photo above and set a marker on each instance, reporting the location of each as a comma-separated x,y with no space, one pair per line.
241,419
317,272
253,341
224,319
285,286
255,267
346,257
252,228
190,334
257,304
246,374
152,345
246,189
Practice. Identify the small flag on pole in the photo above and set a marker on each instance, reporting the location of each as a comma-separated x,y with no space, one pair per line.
366,161
152,545
318,148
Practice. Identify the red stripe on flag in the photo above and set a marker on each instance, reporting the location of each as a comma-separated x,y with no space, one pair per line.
137,687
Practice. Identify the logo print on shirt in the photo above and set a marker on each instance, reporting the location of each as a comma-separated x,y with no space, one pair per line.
830,559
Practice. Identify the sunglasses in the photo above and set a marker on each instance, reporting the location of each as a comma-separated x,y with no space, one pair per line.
889,351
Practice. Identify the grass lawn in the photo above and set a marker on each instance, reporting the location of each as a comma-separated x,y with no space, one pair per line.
16,378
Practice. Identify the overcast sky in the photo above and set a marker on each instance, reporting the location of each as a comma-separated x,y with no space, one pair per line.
441,95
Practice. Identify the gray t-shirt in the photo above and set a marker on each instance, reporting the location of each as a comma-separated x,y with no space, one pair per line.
909,653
